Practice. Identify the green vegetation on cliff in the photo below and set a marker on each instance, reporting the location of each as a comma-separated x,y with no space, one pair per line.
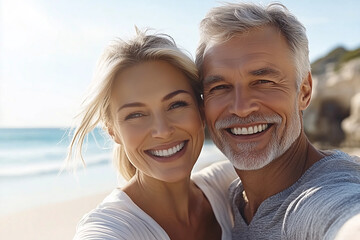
337,57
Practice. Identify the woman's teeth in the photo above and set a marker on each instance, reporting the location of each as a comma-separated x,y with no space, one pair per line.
249,130
168,152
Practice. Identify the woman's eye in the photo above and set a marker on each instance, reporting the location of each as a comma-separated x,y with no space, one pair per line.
178,104
134,115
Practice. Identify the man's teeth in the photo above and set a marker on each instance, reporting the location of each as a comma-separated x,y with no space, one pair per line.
249,130
168,152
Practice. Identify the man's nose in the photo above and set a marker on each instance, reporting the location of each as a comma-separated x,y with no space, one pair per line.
162,127
242,103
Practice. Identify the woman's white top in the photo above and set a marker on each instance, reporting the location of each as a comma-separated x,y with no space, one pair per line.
118,217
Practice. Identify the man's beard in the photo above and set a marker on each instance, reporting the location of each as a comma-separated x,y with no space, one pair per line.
247,156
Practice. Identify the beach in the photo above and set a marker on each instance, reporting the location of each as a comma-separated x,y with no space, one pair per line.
37,200
55,221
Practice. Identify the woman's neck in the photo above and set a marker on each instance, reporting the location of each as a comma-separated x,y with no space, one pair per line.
173,201
180,208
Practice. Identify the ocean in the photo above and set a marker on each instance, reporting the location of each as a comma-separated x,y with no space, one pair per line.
31,160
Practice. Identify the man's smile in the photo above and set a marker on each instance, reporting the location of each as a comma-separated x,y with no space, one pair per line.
248,130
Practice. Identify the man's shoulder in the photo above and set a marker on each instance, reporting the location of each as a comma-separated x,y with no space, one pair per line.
321,208
324,198
336,163
335,177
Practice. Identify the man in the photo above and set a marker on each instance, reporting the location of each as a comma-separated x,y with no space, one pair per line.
255,69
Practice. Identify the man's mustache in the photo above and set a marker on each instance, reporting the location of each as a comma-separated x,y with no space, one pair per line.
255,117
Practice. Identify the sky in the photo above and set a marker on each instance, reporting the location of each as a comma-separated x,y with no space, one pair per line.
49,49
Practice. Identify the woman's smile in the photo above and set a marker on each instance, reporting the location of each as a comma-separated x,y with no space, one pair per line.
167,154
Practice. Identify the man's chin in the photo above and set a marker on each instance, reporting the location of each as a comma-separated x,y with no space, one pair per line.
250,165
250,160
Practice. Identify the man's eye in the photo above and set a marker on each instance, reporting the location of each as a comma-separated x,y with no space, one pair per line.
262,81
219,87
134,115
178,104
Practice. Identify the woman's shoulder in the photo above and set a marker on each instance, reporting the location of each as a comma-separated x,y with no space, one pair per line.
214,181
117,217
217,169
219,174
110,218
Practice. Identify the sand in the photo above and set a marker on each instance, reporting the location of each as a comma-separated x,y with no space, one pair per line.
56,221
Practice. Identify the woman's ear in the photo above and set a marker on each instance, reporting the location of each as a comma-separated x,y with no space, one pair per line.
305,92
113,135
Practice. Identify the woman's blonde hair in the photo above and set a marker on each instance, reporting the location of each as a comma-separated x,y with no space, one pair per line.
118,56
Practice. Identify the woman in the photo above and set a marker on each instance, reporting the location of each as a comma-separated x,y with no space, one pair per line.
147,95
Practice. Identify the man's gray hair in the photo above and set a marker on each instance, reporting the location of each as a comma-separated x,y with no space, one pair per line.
224,22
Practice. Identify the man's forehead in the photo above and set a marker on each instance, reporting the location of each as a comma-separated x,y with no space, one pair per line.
214,48
256,37
253,48
218,60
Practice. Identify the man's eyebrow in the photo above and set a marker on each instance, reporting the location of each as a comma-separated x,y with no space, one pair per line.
167,97
265,72
212,79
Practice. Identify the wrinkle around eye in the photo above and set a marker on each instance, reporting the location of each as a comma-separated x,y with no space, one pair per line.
264,81
219,88
212,81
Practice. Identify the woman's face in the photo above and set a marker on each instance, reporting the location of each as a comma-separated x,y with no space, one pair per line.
157,120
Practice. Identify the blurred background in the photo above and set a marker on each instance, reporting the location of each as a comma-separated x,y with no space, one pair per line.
48,52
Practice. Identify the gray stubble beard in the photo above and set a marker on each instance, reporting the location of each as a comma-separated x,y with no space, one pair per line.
245,157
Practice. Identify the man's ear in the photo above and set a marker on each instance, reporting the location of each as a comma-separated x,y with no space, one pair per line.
113,135
202,112
305,92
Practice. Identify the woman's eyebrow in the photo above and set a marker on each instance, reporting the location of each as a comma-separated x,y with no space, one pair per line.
134,104
166,97
173,94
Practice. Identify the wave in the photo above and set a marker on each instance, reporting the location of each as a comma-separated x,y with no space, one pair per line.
40,168
41,154
28,160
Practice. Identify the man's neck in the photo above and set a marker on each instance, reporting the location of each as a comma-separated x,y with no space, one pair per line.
277,176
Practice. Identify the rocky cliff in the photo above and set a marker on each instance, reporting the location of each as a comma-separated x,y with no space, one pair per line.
333,116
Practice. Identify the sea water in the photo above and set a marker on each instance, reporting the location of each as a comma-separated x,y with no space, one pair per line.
31,160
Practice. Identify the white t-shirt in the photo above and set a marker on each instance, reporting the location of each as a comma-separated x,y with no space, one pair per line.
118,217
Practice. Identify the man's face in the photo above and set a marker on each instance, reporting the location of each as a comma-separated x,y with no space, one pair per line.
250,96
